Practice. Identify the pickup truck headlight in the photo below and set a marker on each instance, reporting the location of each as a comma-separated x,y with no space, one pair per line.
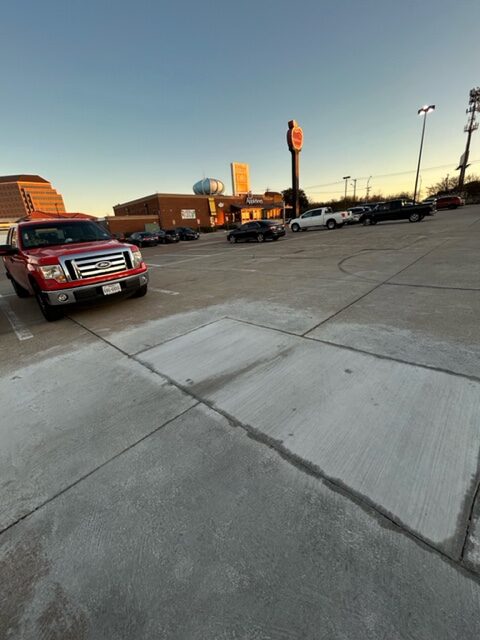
53,272
137,258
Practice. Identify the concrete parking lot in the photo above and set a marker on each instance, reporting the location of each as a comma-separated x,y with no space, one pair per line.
279,441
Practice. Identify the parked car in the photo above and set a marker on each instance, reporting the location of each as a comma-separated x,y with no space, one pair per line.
322,217
171,235
449,202
62,262
143,239
357,212
186,233
396,210
258,230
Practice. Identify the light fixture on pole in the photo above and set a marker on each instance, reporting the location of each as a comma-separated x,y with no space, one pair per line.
346,178
422,111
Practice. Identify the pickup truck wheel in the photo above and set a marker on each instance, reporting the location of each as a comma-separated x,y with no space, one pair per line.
366,221
50,313
414,217
295,227
331,224
141,291
232,240
20,291
260,237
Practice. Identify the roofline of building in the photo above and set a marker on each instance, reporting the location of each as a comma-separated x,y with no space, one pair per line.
141,216
23,177
185,195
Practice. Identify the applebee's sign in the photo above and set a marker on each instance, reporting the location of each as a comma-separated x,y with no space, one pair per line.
252,200
294,136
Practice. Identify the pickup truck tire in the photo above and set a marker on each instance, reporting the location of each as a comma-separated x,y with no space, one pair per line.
20,291
232,240
331,224
50,313
295,227
414,217
141,291
260,237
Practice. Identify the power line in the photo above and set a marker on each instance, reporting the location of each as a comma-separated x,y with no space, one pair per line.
383,175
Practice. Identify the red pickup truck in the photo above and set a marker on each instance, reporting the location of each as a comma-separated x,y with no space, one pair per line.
67,261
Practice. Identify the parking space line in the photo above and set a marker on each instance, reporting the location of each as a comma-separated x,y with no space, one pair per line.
167,291
17,325
174,262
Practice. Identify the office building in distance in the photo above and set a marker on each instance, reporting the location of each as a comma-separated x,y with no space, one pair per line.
22,194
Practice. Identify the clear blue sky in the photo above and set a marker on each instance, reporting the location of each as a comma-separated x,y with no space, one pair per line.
114,100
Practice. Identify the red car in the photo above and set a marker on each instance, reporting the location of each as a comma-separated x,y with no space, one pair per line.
62,262
449,202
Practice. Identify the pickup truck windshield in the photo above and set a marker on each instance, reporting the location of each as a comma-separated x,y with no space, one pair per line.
57,233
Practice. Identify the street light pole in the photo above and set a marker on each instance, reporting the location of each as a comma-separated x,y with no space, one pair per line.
423,111
346,178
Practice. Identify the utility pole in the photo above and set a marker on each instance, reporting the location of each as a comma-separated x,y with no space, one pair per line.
470,127
346,178
368,188
354,189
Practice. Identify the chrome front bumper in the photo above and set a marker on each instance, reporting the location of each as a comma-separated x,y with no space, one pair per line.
91,292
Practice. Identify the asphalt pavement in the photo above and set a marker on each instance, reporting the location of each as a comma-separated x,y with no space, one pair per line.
281,440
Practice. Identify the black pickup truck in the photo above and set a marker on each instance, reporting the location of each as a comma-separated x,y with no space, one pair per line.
397,210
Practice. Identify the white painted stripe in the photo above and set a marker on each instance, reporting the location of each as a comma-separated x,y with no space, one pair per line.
167,291
17,325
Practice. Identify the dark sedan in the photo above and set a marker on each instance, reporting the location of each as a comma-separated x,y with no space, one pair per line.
143,239
258,230
167,236
171,235
185,233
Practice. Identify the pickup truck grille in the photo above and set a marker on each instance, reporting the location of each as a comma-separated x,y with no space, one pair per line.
97,265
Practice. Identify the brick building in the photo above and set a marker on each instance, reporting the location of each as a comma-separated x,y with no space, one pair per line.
200,211
22,194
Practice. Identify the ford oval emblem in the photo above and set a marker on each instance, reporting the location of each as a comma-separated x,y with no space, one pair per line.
103,265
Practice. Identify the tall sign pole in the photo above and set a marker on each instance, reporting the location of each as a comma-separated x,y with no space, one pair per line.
295,144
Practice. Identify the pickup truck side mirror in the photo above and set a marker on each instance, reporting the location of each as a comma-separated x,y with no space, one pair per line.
7,250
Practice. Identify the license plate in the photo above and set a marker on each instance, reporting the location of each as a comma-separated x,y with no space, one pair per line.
108,289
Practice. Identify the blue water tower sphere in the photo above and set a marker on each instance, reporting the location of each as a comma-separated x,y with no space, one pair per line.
209,187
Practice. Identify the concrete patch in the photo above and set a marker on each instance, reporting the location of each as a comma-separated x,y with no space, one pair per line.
65,415
157,331
201,533
404,437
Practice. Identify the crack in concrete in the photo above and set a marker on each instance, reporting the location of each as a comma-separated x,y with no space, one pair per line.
347,347
376,287
100,466
383,516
